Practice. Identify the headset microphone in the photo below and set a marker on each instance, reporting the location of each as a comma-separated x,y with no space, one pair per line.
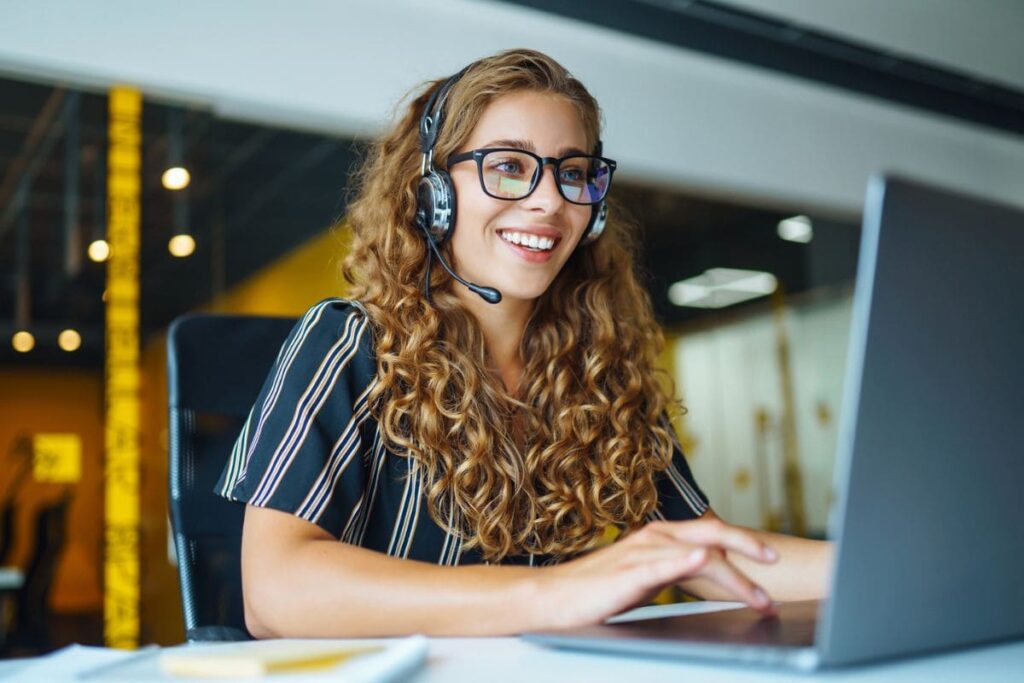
488,294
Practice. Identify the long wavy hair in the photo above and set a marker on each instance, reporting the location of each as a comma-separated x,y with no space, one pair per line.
578,448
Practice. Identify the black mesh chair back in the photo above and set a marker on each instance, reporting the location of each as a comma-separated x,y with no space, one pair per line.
216,366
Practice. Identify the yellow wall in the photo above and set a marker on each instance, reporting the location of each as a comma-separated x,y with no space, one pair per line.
293,283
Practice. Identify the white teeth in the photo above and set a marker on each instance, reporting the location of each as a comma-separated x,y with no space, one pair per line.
528,240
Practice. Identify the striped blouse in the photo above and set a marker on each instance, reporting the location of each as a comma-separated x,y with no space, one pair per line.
311,448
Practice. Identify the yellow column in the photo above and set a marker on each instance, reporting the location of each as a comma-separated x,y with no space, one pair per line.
121,474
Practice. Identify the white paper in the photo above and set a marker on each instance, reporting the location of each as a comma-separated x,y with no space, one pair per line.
65,664
398,660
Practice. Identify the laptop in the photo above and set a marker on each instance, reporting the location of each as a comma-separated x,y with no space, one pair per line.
929,518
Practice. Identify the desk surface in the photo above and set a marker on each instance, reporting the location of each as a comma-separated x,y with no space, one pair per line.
497,660
501,660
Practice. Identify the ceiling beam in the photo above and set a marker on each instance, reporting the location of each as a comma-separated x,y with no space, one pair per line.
767,43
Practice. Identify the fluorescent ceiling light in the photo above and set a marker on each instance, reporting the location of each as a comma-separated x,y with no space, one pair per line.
796,229
721,287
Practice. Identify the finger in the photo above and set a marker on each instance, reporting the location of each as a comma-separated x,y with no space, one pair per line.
726,575
717,532
666,565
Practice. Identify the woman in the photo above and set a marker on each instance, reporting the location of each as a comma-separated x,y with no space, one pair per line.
470,445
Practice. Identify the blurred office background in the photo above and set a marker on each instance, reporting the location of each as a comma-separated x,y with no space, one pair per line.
745,131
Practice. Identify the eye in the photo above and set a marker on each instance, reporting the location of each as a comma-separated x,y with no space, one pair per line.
506,165
572,174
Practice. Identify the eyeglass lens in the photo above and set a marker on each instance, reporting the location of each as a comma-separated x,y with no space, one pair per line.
512,175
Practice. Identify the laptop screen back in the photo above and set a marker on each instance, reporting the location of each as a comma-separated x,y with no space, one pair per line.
930,465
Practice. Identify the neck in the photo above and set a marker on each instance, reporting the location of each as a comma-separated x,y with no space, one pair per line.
502,325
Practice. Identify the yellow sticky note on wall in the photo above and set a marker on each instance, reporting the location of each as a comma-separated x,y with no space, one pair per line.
57,458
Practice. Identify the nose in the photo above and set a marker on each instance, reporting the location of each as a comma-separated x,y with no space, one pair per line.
546,195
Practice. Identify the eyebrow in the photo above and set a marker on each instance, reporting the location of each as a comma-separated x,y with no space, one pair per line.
529,147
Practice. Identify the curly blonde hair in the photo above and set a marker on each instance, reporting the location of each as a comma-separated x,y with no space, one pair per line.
578,448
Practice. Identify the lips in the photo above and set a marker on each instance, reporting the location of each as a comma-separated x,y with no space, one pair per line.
532,246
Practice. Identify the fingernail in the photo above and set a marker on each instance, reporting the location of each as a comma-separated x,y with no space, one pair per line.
761,597
697,555
770,554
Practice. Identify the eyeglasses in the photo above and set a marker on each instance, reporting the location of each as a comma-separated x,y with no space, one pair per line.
509,173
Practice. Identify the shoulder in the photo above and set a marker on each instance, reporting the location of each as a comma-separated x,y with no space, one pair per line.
333,312
333,331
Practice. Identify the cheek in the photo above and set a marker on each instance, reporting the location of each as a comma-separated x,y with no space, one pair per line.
475,211
580,218
471,204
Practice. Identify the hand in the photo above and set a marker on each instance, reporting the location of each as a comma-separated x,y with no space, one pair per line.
630,572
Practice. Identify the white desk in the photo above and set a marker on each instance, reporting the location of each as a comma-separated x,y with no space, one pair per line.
508,660
501,660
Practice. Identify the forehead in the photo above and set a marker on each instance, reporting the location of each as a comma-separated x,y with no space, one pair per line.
549,121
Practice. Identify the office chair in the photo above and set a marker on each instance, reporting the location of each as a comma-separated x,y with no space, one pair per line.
216,366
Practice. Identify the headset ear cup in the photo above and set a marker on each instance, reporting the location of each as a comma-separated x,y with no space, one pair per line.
597,223
445,210
424,204
435,210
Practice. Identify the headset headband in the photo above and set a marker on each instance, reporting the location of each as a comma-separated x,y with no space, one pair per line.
430,122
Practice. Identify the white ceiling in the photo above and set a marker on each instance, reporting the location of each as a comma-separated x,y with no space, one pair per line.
979,37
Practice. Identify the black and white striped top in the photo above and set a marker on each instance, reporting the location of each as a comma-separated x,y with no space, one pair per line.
310,447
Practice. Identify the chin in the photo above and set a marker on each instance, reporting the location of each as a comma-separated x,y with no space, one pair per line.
522,291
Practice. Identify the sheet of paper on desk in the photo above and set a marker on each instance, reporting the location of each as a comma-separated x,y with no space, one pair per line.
390,662
251,659
65,664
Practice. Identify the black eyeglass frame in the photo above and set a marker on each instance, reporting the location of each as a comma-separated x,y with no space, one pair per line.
479,154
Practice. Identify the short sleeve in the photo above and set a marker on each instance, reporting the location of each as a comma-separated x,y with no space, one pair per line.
301,448
679,497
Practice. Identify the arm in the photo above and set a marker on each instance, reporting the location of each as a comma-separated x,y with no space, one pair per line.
801,573
299,581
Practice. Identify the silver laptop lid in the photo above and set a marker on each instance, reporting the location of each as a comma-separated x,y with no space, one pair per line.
930,463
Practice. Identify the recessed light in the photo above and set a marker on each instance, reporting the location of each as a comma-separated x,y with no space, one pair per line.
99,251
23,341
69,340
182,245
176,178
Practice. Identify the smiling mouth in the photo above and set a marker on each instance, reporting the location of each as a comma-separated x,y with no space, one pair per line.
529,241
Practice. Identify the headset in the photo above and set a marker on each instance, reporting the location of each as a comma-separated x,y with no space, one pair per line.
435,194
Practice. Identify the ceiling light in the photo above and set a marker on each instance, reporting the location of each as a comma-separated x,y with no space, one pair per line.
69,340
796,229
182,245
23,341
721,287
176,178
99,251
